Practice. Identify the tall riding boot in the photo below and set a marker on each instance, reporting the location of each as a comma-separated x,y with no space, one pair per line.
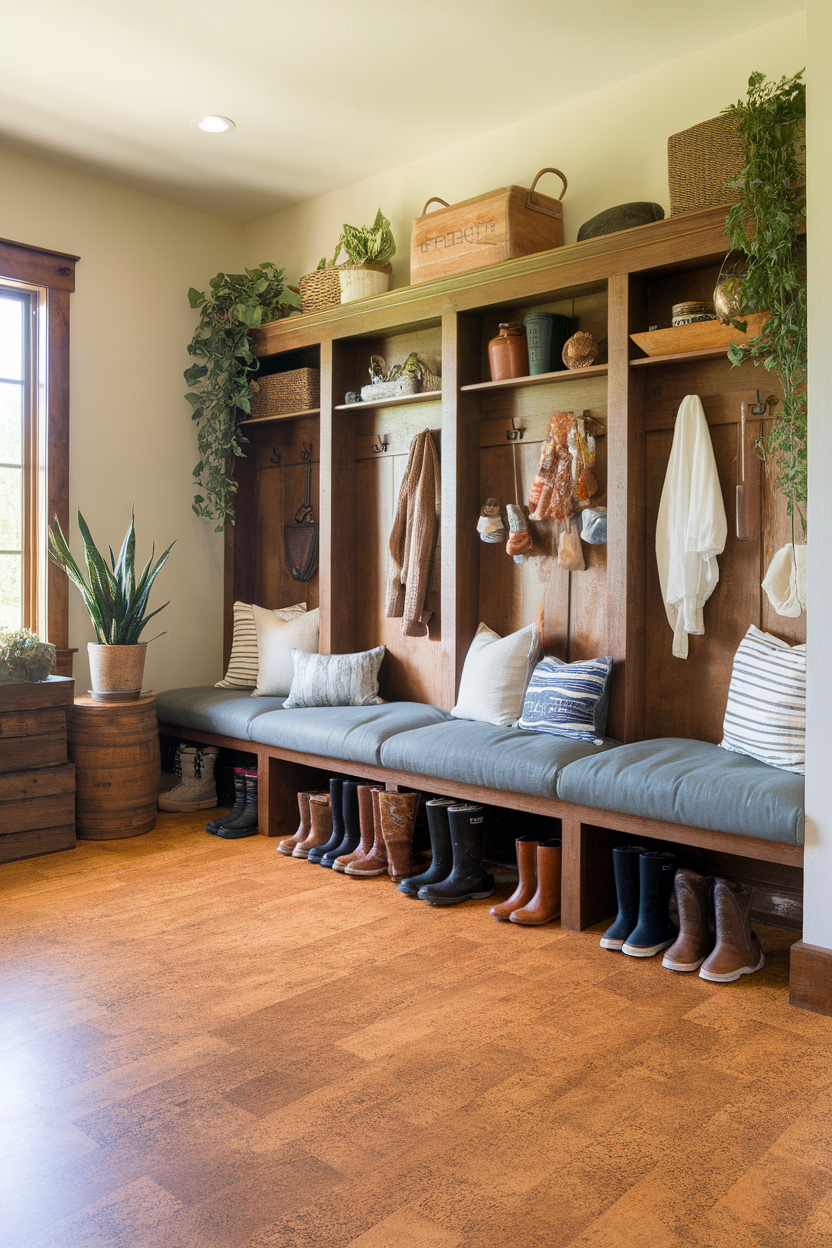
196,789
287,845
375,862
366,824
398,819
246,824
625,865
545,905
468,880
320,825
654,930
442,858
527,883
352,827
336,804
239,803
696,939
737,949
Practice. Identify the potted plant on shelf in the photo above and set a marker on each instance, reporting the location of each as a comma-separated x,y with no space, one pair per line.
116,603
369,248
220,393
24,658
321,289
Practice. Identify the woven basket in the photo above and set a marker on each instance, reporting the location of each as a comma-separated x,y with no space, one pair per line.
320,290
699,163
278,394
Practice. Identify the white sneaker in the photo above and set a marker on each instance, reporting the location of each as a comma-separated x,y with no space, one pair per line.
196,789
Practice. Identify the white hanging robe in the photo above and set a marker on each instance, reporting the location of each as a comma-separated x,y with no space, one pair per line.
785,582
692,527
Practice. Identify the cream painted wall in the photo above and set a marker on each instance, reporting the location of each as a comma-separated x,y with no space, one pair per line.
817,929
131,439
612,146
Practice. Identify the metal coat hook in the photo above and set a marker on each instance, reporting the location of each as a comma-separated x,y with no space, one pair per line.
381,446
516,432
274,458
306,453
761,408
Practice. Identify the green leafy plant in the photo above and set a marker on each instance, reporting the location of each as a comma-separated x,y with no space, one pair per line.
24,658
323,263
115,600
220,393
369,244
414,366
766,224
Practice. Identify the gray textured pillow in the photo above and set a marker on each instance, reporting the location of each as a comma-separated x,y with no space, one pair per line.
335,679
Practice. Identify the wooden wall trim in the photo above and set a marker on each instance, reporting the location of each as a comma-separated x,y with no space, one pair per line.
810,978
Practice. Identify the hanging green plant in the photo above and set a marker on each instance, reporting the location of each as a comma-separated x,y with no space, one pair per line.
767,225
220,393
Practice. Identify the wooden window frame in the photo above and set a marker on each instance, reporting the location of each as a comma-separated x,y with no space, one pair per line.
53,272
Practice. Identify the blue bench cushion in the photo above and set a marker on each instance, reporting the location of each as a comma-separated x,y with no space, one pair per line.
693,783
472,752
206,709
353,733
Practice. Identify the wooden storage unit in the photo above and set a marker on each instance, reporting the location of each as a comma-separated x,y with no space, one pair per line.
115,747
37,783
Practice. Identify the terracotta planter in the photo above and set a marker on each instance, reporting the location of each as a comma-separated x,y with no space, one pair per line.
362,281
116,669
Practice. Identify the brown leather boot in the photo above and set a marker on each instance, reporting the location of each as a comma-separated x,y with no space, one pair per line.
398,817
695,904
320,825
376,861
367,824
737,949
288,844
527,883
545,905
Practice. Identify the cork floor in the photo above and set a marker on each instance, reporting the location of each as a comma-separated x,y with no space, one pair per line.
206,1043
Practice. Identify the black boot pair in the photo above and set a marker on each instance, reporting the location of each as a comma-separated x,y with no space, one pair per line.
346,829
455,873
241,819
643,884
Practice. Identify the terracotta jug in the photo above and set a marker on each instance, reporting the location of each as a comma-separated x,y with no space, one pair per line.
508,355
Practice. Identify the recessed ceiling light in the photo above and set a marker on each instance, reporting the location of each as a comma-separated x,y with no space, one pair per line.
213,125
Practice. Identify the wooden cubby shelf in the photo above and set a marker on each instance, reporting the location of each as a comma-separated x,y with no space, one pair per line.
427,396
271,420
711,353
541,379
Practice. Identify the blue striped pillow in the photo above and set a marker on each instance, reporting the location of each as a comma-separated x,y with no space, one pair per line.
568,699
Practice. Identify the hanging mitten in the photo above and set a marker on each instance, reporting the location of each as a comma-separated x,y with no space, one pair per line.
594,525
519,542
570,553
490,524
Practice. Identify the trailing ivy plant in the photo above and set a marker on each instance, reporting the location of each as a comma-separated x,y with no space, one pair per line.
766,224
220,383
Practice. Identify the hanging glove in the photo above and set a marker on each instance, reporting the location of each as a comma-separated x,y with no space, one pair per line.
519,543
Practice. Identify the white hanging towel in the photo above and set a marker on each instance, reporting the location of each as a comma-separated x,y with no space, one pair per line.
785,582
692,527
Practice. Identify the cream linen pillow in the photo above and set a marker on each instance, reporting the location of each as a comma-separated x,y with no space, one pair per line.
495,675
242,666
276,639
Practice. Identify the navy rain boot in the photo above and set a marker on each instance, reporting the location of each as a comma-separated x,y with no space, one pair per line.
336,801
352,827
442,859
654,930
467,881
625,865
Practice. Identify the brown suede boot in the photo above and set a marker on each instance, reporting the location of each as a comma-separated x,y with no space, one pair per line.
376,861
737,949
368,828
288,844
320,825
398,817
696,939
527,883
545,905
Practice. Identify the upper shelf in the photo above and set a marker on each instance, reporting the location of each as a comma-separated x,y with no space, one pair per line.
426,396
541,379
271,420
710,353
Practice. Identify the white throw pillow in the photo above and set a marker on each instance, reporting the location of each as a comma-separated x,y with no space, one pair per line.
495,675
242,666
766,712
276,639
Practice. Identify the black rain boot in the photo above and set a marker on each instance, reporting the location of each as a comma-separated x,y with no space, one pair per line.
352,827
239,803
246,825
654,930
467,881
442,859
625,865
336,790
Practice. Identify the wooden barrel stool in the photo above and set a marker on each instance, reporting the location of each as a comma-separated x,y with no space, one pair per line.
115,749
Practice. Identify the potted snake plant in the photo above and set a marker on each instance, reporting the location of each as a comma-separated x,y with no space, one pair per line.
369,248
117,603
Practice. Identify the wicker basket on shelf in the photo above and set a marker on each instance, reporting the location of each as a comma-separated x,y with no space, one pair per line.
279,394
699,163
320,289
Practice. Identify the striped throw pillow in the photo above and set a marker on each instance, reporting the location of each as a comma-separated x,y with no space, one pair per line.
568,699
243,664
766,712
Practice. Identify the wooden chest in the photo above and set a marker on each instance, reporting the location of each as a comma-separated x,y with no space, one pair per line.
37,783
500,225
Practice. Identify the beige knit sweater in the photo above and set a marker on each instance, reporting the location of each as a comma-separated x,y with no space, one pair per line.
413,538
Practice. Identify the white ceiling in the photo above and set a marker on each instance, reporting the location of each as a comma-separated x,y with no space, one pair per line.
323,93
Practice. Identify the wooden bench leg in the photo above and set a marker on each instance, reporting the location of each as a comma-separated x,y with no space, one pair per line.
588,888
279,782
